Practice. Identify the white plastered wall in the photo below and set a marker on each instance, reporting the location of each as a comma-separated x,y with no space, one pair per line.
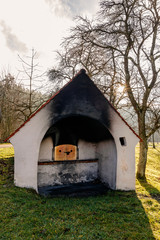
87,150
46,150
105,152
26,143
107,162
125,177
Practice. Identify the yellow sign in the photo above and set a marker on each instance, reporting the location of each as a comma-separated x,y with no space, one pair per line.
65,152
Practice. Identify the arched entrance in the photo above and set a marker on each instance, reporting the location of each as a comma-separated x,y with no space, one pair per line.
77,149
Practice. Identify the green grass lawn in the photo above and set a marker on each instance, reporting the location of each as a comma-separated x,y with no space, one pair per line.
115,215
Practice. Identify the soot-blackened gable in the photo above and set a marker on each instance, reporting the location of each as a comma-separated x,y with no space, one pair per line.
81,97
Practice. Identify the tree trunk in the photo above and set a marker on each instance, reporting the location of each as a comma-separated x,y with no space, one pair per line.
142,159
154,146
143,147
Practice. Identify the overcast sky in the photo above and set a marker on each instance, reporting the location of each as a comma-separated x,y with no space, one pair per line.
38,24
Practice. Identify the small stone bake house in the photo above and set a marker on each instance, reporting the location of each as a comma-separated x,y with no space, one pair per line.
77,136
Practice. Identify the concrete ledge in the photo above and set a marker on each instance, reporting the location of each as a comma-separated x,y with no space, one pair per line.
68,162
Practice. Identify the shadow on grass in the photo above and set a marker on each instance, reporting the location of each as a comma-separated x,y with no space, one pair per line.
115,215
154,192
26,215
6,170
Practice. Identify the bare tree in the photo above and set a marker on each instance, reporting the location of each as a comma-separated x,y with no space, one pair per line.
103,68
10,118
21,97
128,33
33,82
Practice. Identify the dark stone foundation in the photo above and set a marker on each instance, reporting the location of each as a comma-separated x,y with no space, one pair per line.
74,190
